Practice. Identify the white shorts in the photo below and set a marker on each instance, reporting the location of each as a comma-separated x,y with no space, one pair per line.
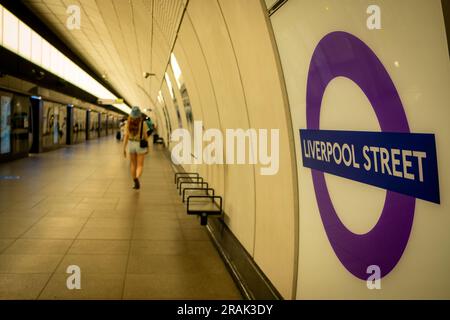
135,147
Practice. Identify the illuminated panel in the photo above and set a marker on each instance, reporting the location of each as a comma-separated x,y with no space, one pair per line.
1,25
176,70
10,31
45,55
169,84
20,39
36,48
24,41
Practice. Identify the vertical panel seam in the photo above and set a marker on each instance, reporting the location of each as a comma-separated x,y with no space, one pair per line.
248,119
294,166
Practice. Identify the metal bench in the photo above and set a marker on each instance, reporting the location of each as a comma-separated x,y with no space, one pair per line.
192,184
204,206
185,174
197,191
188,179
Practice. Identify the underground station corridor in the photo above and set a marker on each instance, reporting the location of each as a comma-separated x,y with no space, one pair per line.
224,158
75,206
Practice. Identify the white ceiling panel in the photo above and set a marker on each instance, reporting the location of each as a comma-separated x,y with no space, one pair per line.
119,39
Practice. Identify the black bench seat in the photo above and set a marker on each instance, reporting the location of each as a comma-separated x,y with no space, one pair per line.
204,206
197,191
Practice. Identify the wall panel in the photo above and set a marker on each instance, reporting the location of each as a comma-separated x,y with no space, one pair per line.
412,47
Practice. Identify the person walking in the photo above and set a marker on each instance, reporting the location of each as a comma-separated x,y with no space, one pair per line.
122,124
135,141
150,125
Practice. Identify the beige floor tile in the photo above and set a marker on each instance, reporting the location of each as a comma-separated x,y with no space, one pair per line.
211,264
14,227
55,206
118,233
21,205
71,213
194,234
18,222
203,248
150,208
162,264
155,247
107,247
109,222
13,231
62,199
83,211
89,263
93,286
94,206
101,201
162,287
22,286
50,232
28,263
25,213
175,286
157,233
61,222
88,194
102,213
5,243
192,222
154,221
219,286
39,246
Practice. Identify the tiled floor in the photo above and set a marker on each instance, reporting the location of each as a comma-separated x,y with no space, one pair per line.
75,206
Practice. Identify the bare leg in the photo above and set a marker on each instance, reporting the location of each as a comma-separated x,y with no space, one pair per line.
140,165
133,164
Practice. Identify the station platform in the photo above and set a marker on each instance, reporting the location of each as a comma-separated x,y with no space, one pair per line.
76,206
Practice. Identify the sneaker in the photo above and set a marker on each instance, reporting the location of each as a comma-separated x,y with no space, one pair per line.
137,185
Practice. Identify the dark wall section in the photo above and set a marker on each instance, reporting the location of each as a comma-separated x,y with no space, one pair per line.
36,116
446,12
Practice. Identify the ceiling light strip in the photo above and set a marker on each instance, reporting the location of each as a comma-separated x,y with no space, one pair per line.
17,37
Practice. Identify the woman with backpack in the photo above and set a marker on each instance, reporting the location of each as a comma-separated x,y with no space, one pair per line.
135,141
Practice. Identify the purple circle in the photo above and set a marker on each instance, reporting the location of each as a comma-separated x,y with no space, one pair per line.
340,54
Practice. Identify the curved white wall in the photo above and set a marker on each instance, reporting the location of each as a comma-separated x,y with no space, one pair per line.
232,71
412,47
228,60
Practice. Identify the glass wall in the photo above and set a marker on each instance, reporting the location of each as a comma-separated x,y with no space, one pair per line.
5,123
79,125
111,121
54,120
103,124
93,125
14,125
20,124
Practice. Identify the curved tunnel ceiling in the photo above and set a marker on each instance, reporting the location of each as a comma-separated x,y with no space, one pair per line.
120,40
